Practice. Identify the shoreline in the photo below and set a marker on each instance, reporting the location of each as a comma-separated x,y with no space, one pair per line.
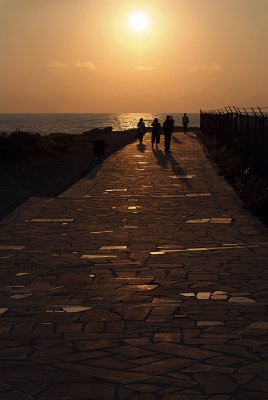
39,175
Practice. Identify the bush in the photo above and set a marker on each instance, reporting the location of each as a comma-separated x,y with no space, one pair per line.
251,188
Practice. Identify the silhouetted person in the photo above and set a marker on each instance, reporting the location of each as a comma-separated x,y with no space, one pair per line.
185,122
141,130
156,133
172,123
167,129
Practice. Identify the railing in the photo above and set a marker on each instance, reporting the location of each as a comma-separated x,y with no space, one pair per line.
243,130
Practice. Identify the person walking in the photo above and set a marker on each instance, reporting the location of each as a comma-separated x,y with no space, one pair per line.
141,130
156,133
167,128
185,122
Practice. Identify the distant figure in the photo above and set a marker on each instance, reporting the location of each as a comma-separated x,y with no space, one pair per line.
141,130
172,123
185,122
156,133
167,128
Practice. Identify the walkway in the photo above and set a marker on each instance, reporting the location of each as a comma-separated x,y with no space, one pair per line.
145,280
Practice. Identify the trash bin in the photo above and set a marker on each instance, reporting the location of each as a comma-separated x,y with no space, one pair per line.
99,148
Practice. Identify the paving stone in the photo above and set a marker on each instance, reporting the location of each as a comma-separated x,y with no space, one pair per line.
75,327
15,395
184,397
253,395
107,289
19,353
259,325
83,345
79,391
255,367
4,387
109,374
183,351
168,337
216,383
164,366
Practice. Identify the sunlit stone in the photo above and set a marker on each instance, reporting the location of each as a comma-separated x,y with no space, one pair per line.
218,292
55,288
146,287
96,256
6,257
198,249
241,300
15,286
75,309
41,220
22,273
21,296
116,190
62,220
113,248
187,294
203,295
18,248
198,221
219,297
99,232
221,220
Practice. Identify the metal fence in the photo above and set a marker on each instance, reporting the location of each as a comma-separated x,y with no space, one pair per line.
245,131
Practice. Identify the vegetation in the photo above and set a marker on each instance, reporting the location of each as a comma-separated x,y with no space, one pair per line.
251,188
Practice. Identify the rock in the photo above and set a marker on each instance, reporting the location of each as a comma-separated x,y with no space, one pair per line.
106,129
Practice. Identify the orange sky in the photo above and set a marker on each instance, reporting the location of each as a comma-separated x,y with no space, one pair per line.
82,56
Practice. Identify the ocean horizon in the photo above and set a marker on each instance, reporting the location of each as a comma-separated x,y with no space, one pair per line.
77,123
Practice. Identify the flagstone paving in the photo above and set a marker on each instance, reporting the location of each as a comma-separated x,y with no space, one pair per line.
147,279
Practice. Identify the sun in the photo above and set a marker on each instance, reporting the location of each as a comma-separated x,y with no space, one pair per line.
138,22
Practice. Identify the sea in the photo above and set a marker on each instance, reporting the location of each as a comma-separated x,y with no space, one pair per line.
45,124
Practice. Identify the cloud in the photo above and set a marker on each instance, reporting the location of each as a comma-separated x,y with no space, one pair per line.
143,68
88,65
203,67
56,64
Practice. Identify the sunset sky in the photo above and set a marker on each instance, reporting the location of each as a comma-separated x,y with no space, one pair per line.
85,56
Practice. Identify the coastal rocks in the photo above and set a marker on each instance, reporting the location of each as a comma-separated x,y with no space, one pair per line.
106,129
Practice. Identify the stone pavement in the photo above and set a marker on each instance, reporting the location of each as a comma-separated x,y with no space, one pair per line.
145,280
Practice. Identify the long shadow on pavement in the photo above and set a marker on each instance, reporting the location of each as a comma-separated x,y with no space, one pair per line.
166,160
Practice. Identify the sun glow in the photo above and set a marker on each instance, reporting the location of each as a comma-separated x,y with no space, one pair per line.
138,22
